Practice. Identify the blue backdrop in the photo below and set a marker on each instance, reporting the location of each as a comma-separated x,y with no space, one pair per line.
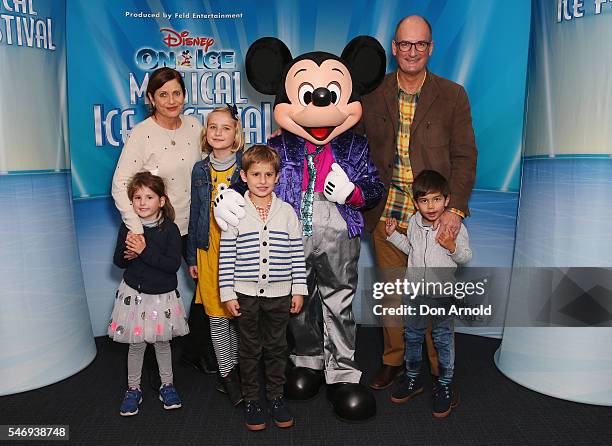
113,44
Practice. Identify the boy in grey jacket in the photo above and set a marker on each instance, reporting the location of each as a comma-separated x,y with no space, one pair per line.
432,260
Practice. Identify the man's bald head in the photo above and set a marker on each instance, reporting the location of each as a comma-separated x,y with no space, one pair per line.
413,20
412,61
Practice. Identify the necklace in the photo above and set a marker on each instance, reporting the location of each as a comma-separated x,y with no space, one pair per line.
172,141
170,135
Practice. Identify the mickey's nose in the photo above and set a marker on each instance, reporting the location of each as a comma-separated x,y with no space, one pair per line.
321,97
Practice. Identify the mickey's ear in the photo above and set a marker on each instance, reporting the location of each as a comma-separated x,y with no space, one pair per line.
265,62
367,61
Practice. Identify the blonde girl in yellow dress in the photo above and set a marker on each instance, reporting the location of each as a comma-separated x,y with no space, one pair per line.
222,139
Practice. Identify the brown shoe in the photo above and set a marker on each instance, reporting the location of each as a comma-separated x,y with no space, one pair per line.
385,376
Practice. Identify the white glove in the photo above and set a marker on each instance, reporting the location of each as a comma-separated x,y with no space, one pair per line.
228,208
337,185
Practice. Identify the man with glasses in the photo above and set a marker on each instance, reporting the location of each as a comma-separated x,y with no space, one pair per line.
414,121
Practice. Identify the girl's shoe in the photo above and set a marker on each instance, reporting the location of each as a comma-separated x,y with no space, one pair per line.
231,385
131,400
169,396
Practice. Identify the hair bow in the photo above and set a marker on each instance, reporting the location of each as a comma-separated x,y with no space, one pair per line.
233,110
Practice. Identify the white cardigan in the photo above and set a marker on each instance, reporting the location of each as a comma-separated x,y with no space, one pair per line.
148,148
260,258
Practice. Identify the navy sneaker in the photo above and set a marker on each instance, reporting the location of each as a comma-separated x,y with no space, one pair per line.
131,400
280,413
169,396
454,390
407,389
442,400
254,416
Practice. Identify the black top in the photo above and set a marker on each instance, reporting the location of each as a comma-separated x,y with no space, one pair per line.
154,270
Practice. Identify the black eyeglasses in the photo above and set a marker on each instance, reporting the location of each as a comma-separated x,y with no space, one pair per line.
405,45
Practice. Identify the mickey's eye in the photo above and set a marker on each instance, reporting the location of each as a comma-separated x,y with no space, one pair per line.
305,94
334,89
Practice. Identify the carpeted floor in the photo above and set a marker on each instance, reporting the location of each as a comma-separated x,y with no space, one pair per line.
493,409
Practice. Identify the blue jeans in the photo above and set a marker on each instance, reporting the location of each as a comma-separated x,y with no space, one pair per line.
442,334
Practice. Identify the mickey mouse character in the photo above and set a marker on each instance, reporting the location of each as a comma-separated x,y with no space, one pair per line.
186,58
327,176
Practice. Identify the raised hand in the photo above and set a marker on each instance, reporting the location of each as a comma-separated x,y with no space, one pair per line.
337,185
390,225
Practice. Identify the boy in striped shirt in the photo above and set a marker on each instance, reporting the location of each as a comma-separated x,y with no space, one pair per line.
262,280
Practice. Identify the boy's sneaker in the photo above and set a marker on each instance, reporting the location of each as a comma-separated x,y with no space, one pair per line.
280,413
131,400
169,396
442,400
454,390
407,389
254,416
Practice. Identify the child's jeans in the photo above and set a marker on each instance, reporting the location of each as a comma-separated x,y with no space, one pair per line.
442,334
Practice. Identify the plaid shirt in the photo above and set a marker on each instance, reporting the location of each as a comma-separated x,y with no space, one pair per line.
263,211
399,201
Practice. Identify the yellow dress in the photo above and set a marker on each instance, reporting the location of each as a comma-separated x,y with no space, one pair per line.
207,291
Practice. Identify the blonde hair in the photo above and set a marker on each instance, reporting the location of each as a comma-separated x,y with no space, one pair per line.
238,137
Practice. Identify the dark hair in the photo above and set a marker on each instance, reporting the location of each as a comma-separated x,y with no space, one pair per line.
408,16
428,182
157,80
260,153
156,184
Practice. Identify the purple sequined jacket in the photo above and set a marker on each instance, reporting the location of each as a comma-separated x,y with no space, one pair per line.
351,152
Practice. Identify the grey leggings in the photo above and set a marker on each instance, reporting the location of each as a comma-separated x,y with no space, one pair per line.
136,356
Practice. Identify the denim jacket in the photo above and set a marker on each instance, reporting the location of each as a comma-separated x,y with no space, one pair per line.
199,214
351,152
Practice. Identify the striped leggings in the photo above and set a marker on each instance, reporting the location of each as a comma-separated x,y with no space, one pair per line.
225,342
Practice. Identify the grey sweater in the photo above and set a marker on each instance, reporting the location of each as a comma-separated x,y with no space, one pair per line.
427,259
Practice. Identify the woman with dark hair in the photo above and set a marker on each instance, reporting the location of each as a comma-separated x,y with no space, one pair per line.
166,144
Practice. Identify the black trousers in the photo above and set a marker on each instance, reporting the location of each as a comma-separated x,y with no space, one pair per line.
262,329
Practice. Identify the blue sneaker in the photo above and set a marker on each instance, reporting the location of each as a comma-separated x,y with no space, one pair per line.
131,400
255,419
280,413
169,396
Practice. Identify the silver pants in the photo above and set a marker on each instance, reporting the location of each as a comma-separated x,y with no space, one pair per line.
331,269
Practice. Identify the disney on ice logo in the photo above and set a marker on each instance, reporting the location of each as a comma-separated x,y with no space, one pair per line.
185,52
174,39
